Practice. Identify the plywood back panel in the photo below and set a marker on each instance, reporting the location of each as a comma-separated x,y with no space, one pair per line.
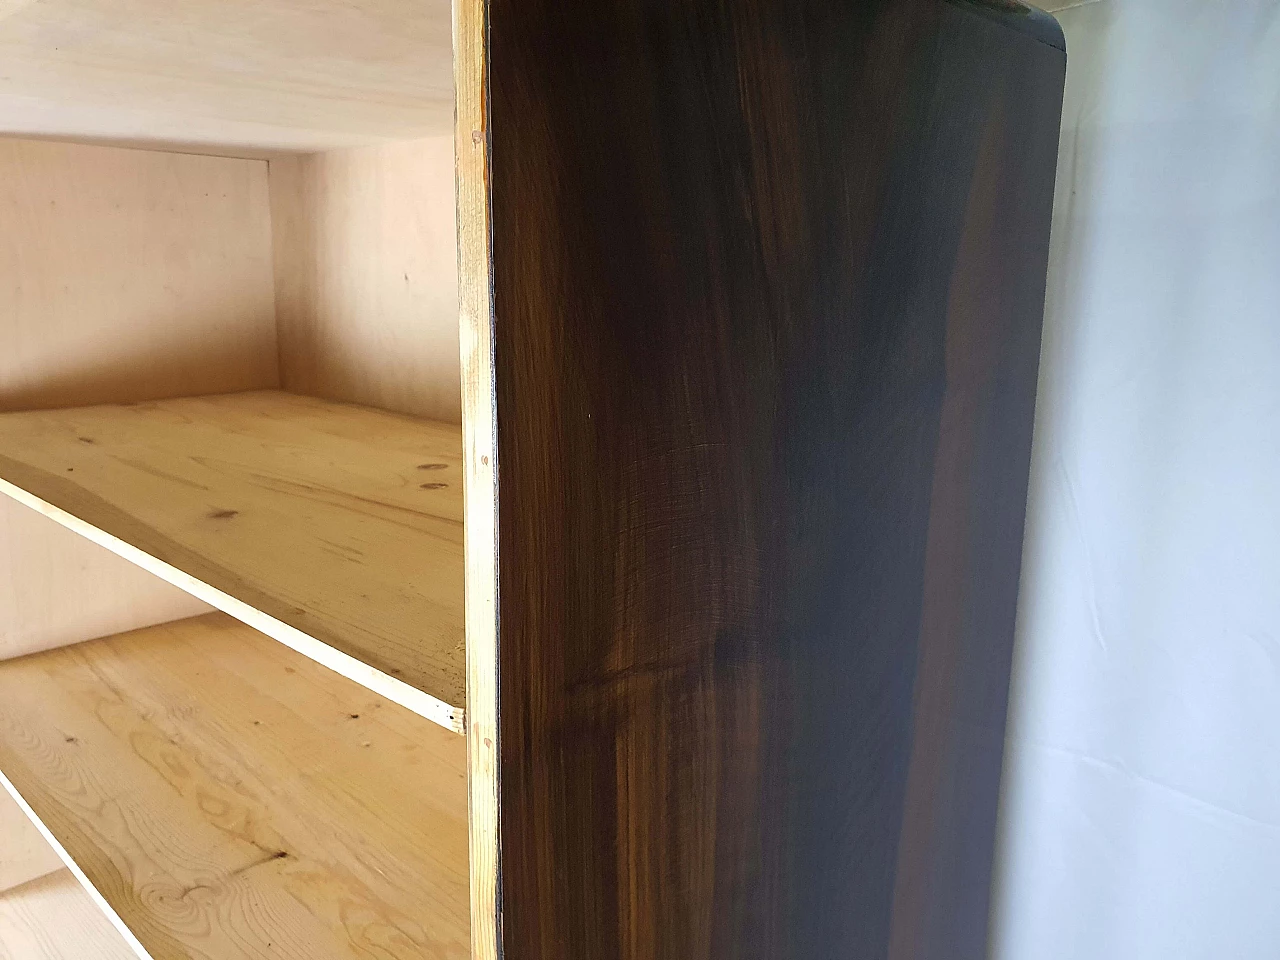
366,274
124,275
285,74
58,588
131,275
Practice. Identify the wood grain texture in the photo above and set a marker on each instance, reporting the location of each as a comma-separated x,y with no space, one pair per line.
52,918
333,528
480,461
58,588
129,275
231,799
24,855
767,288
366,273
295,75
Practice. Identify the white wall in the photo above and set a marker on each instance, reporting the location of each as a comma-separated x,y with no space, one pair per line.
1141,814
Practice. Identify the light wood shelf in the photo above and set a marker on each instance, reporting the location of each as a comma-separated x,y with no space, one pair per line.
228,798
333,528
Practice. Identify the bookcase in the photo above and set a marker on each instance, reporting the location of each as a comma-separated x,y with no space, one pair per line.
519,479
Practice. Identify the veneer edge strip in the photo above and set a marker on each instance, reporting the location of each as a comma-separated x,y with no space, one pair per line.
480,471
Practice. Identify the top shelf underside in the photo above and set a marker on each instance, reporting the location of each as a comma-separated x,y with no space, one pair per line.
334,528
240,78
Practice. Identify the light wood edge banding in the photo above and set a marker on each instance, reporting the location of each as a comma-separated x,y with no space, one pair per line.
475,302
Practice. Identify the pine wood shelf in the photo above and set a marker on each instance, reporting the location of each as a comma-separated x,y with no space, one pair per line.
229,798
333,528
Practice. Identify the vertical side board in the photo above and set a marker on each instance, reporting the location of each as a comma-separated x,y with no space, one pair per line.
767,284
475,322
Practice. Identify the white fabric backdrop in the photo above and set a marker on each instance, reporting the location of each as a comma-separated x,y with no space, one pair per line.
1141,808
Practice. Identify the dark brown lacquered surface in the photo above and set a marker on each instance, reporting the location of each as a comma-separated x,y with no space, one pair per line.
768,279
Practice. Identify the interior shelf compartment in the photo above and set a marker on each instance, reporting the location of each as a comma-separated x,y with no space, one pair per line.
229,798
334,528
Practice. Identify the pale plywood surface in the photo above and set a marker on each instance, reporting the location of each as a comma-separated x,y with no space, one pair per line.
481,478
52,918
329,526
127,274
24,854
124,275
58,588
231,799
294,75
366,276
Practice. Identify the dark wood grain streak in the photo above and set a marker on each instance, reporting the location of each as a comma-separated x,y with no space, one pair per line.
767,283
